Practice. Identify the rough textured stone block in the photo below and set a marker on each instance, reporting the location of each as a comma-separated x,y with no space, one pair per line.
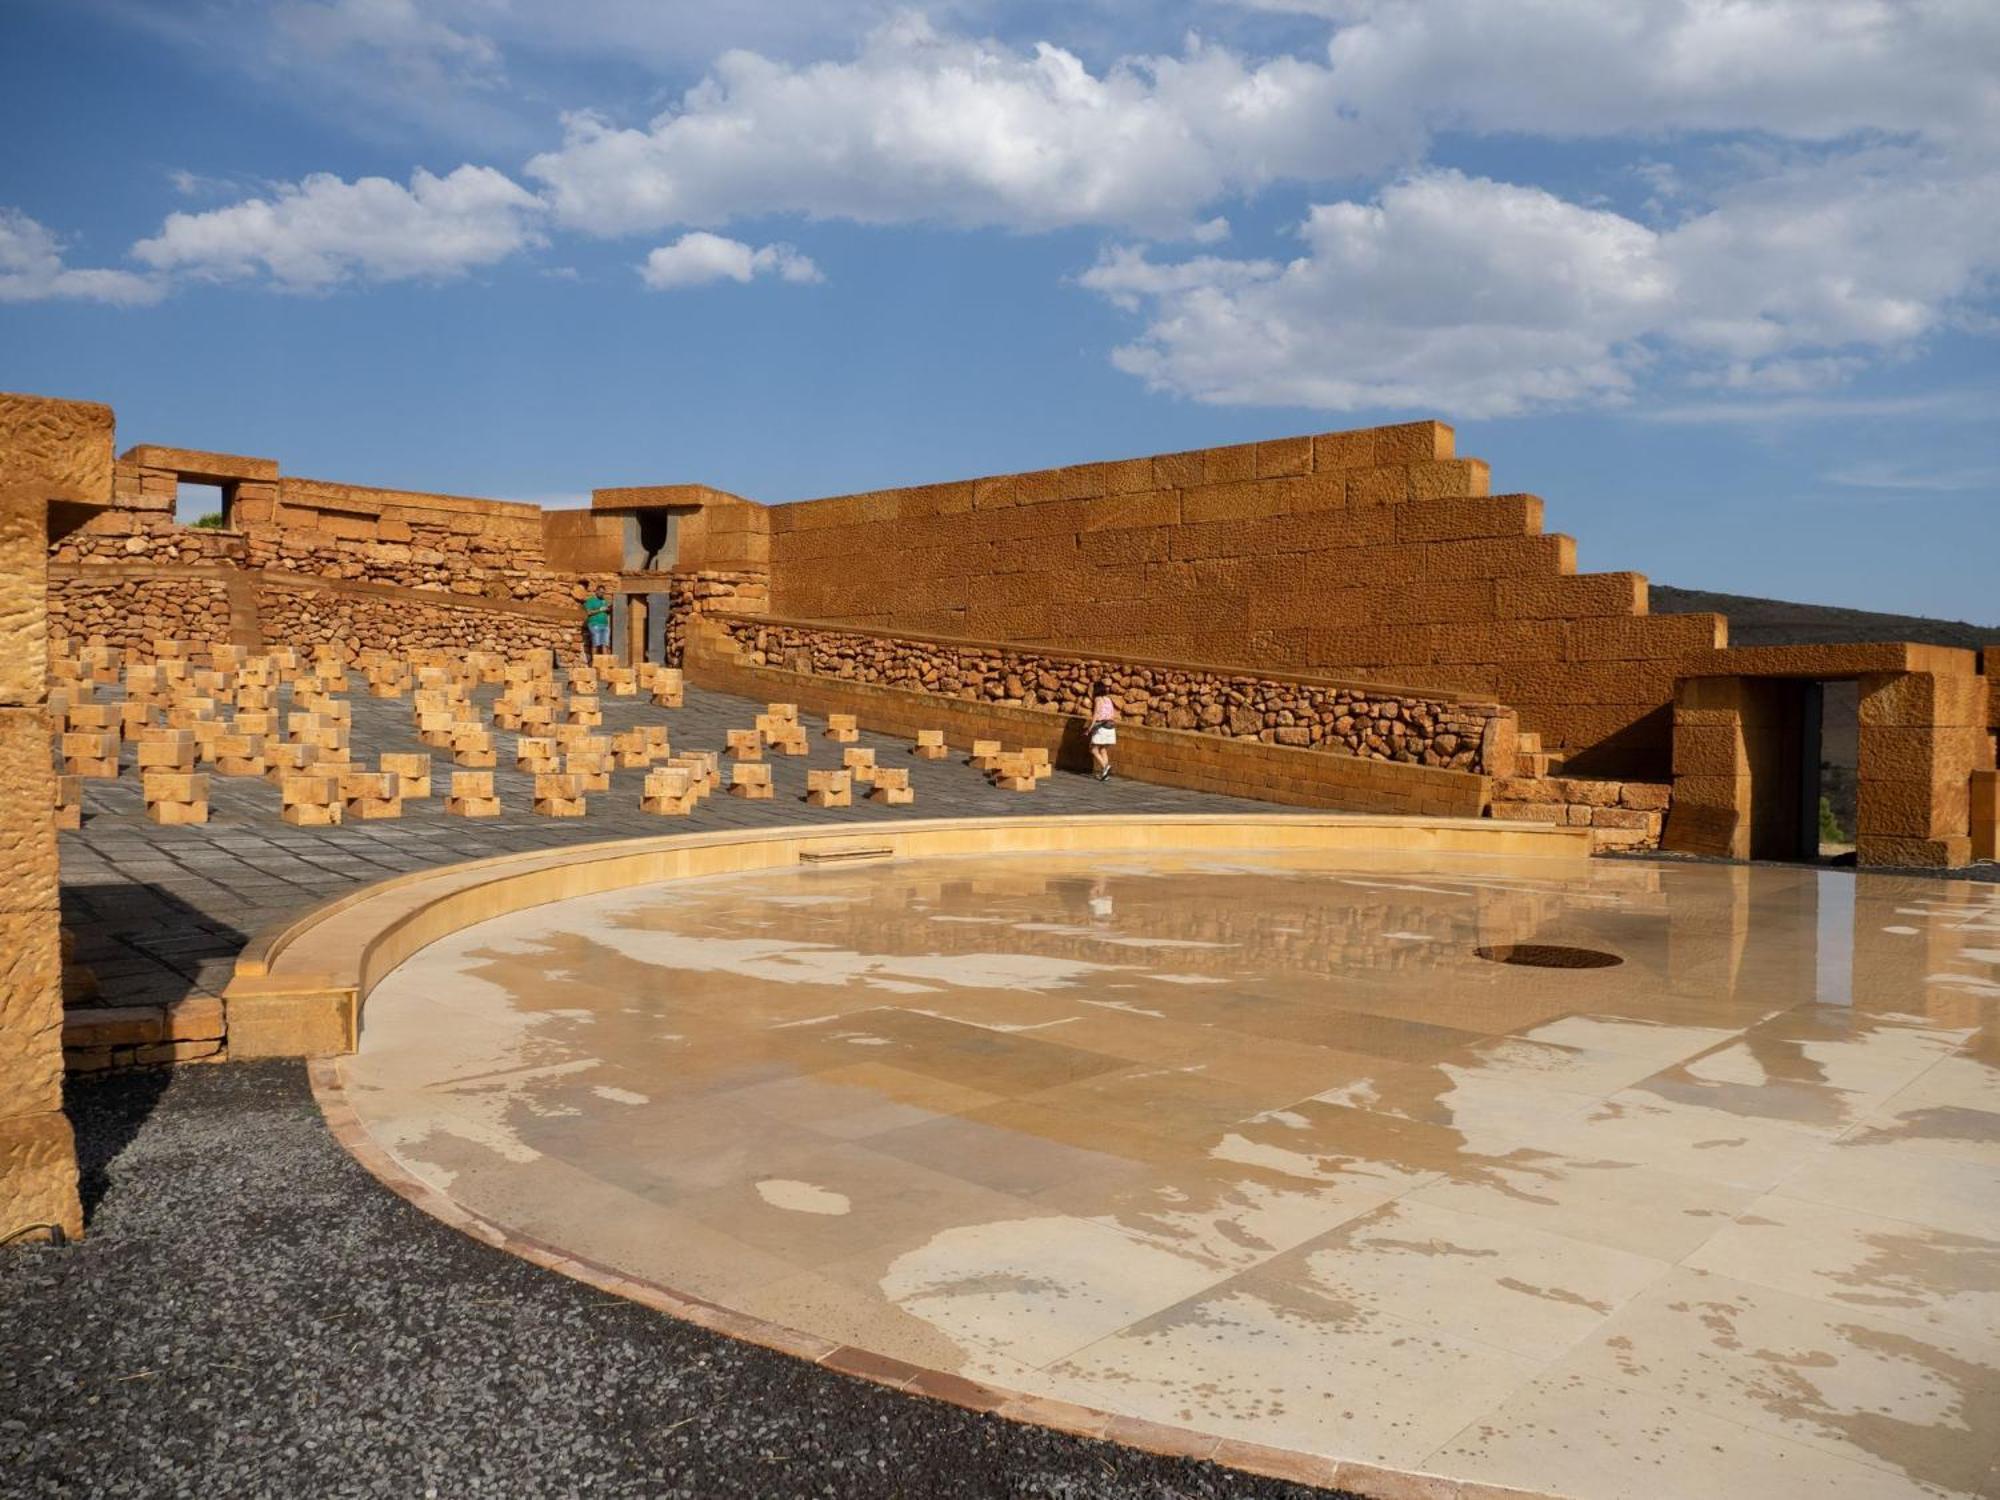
24,552
63,447
749,780
412,772
38,1176
27,792
31,999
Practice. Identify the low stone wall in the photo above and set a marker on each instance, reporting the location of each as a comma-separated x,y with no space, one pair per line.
130,613
1363,720
396,620
710,592
1251,768
97,1038
1619,814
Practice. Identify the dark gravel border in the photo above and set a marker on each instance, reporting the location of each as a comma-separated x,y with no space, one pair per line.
252,1314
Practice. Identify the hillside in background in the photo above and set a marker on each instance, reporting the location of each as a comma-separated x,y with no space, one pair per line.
1778,622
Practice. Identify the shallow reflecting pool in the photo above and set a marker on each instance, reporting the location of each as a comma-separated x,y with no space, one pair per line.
1265,1148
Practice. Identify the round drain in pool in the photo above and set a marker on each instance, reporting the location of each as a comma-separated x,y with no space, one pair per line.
1548,956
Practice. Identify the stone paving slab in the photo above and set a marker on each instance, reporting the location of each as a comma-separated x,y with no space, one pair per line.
159,912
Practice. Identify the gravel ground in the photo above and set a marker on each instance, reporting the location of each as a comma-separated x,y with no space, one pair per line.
252,1314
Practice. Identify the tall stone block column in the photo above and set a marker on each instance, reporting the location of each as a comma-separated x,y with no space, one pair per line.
49,451
1923,736
1710,812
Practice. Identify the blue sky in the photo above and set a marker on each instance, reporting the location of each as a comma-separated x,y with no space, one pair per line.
1714,277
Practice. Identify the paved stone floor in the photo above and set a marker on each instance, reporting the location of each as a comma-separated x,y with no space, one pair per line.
252,1315
1263,1146
160,912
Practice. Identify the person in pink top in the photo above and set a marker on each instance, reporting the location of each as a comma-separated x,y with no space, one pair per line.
1103,728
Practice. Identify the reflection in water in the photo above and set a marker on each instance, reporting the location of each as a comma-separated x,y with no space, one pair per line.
1834,949
1260,1145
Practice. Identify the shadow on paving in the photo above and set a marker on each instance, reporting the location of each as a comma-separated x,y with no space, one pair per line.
252,1314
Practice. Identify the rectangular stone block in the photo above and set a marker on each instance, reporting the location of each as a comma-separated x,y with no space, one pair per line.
298,788
1710,750
38,1176
177,814
1894,851
31,1000
24,568
1908,754
1912,809
412,772
746,744
1923,700
166,750
891,785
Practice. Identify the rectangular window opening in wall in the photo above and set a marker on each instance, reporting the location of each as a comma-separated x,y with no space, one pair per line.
201,505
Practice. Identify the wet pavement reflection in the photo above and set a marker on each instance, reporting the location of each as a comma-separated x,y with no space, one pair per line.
1259,1145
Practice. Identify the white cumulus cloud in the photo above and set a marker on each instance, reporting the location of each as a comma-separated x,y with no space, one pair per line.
32,269
1486,299
926,127
698,258
319,232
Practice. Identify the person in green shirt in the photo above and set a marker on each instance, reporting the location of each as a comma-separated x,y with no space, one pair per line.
597,620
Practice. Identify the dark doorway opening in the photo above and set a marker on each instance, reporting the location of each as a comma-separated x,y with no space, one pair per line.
1839,767
653,536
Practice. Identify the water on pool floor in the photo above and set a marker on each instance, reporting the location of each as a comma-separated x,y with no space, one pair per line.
1263,1147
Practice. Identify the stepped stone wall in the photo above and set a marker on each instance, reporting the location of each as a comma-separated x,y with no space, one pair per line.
1376,553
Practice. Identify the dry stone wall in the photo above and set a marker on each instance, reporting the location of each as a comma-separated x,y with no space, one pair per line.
1364,720
357,622
408,539
709,592
131,613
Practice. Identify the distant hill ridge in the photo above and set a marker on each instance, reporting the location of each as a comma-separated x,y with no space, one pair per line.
1779,622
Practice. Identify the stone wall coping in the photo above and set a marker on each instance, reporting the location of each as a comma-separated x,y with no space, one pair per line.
1218,669
200,464
390,498
1858,659
638,496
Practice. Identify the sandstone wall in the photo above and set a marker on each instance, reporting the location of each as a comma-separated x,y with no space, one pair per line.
709,591
1625,815
51,452
405,538
131,612
1376,553
358,619
1169,757
1366,720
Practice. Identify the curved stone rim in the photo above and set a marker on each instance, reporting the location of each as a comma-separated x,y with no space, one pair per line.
408,918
